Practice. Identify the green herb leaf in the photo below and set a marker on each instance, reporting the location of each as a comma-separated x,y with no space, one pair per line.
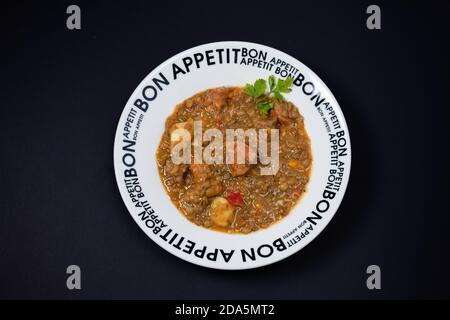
250,90
289,82
276,87
271,82
260,87
265,106
284,85
279,96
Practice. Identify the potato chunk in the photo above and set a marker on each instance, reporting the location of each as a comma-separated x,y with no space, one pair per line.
221,212
185,134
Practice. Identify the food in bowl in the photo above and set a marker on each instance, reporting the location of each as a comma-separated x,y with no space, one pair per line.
236,197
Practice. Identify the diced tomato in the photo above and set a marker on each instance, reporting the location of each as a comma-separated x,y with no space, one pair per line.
235,198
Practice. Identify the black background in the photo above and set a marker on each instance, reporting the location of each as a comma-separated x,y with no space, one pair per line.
62,93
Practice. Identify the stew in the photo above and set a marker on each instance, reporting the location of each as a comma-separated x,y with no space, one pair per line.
236,198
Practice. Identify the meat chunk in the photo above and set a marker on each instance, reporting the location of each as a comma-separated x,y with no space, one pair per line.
214,101
200,172
214,188
216,97
239,169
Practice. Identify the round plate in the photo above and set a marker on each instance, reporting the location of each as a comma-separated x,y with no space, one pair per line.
228,64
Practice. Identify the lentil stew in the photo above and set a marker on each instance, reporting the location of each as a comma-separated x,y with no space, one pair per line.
236,198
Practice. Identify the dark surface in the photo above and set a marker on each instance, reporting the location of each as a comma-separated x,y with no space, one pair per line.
62,93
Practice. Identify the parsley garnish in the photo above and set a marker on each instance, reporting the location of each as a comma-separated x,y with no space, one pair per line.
276,88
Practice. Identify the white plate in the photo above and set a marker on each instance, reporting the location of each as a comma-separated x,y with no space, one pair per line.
150,206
